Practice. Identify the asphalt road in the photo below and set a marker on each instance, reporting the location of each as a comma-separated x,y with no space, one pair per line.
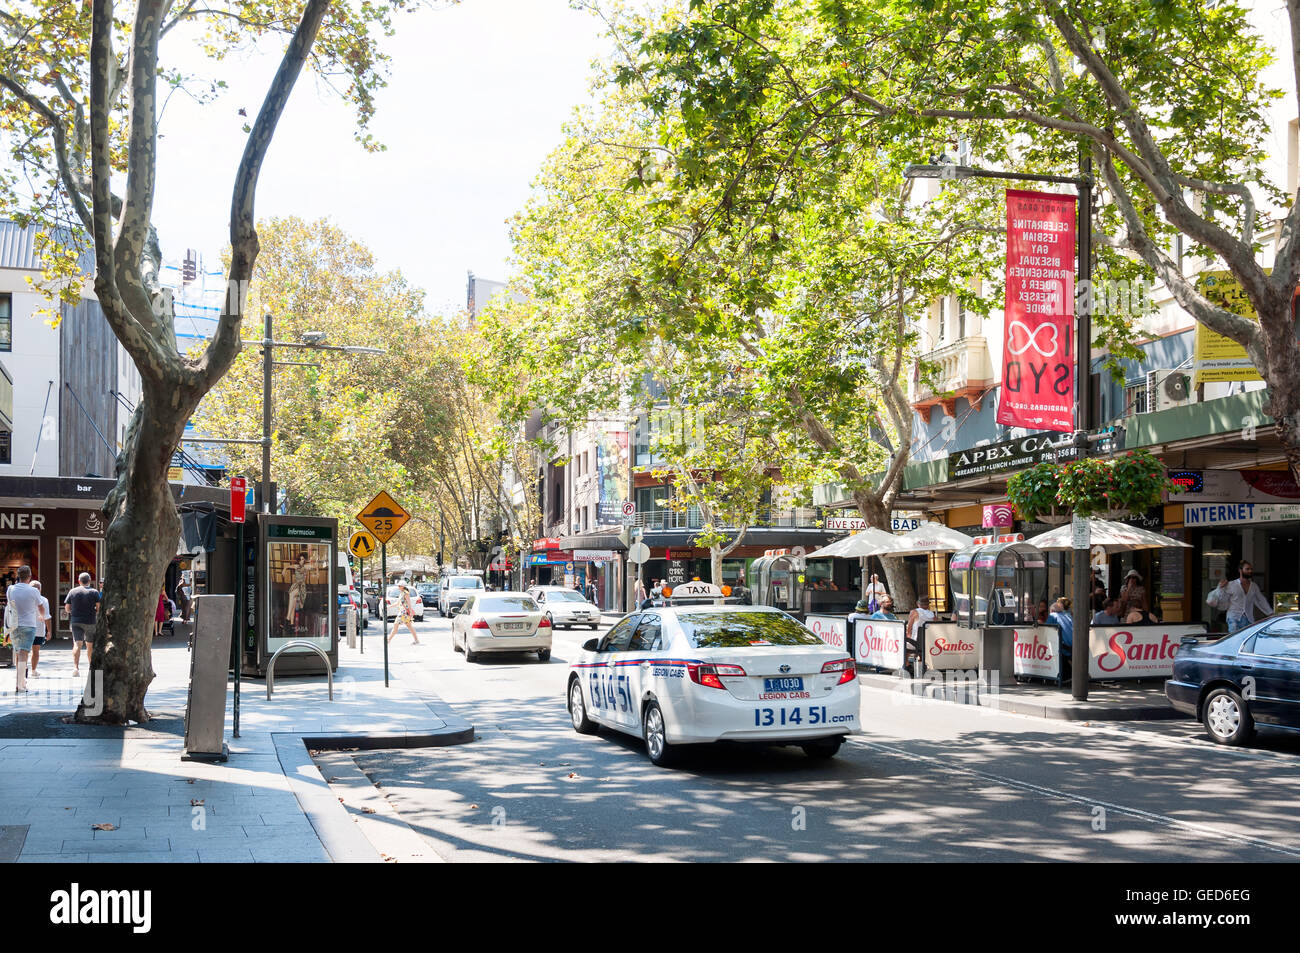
929,781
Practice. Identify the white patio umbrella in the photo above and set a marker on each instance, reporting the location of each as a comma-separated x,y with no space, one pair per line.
1112,536
931,538
866,542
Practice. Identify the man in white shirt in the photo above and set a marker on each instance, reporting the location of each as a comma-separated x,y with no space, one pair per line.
23,612
1238,598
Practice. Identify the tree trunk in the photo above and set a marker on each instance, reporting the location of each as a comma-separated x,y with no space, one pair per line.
143,530
897,579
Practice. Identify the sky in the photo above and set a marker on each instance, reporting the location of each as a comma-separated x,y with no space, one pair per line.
476,99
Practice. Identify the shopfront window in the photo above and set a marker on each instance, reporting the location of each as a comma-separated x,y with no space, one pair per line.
16,552
75,557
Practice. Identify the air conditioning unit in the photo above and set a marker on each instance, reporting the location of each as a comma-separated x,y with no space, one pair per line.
1169,388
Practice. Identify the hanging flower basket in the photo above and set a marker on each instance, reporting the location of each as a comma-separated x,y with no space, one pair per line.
1033,493
1109,488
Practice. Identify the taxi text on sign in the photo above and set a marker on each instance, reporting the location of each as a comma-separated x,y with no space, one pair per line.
362,544
383,516
1038,353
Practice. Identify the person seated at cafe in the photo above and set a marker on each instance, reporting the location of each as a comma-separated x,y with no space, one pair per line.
886,611
859,613
1139,616
1061,618
1109,613
1043,612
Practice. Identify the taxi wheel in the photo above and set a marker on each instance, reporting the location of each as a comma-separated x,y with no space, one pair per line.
578,710
656,740
824,749
470,657
543,655
1226,717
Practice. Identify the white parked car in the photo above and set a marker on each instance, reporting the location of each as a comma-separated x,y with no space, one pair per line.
456,589
393,603
689,674
566,607
500,622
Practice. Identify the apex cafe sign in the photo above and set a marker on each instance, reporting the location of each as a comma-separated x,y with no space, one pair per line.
1012,455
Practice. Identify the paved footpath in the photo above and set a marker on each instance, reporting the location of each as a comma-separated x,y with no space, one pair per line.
72,793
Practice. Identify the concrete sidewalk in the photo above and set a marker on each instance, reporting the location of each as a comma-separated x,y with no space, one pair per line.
92,794
1114,701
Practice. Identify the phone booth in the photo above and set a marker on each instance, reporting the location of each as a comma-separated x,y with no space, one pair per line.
291,593
774,580
996,588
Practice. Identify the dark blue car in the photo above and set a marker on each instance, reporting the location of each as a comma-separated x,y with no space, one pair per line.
1247,679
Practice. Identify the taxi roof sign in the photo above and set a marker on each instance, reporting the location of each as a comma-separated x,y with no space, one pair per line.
695,589
383,516
362,544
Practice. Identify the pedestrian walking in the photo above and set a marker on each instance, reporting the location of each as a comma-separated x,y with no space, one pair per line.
160,614
183,600
640,595
83,610
22,616
1239,598
44,630
407,616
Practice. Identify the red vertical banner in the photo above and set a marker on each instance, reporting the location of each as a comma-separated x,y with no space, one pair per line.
238,492
1037,348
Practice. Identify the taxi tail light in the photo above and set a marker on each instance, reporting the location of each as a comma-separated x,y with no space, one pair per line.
708,673
845,666
545,623
480,624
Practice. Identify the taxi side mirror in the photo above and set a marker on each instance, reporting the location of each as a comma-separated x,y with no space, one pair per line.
590,645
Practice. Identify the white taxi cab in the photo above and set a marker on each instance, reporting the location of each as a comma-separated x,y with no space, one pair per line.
695,670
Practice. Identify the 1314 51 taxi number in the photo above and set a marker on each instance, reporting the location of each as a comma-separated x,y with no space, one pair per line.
610,691
814,715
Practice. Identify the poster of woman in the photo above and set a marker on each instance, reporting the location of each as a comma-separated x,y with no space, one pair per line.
300,609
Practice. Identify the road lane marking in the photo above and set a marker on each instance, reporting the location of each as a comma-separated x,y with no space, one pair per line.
1136,812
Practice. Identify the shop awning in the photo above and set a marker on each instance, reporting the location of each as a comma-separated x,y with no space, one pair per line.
592,541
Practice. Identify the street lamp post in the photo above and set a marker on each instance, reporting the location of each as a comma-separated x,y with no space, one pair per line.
1080,575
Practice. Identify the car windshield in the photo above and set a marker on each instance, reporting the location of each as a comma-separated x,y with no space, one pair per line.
466,582
507,604
565,595
726,630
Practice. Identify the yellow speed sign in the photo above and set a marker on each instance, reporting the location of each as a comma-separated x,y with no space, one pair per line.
362,544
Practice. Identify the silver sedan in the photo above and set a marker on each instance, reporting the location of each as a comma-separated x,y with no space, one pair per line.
500,622
566,607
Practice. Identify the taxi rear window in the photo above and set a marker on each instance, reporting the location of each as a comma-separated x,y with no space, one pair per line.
728,630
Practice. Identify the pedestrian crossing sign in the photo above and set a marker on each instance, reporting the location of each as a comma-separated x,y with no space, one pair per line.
383,516
362,544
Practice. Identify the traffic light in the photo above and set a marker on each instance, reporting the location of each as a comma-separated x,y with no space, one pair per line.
190,268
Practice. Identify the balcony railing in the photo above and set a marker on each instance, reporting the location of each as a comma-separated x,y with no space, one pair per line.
804,517
964,370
